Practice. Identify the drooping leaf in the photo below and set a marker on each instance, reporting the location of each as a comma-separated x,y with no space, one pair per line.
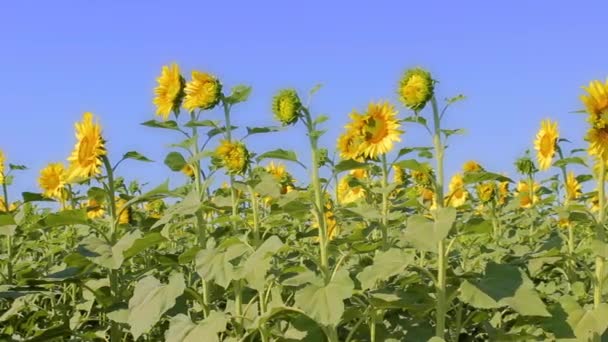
136,156
175,161
325,304
386,264
424,234
214,264
181,328
162,124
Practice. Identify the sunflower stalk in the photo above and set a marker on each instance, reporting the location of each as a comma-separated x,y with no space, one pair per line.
441,284
115,333
9,239
385,244
600,235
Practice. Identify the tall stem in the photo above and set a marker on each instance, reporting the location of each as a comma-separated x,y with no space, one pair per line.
9,238
385,243
600,235
256,218
115,334
440,286
228,135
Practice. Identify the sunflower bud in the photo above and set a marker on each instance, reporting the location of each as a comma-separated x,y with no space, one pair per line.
286,106
233,156
202,92
416,88
525,166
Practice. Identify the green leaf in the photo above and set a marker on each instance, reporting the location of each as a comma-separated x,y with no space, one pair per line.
599,248
181,328
280,154
8,226
175,161
455,99
162,124
65,218
105,255
268,186
17,167
35,197
143,243
349,164
483,176
151,299
214,264
136,156
503,285
261,130
449,132
424,234
413,164
203,123
386,264
259,262
569,160
240,93
325,304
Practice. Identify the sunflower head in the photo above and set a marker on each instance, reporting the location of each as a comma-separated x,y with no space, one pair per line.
596,103
503,192
545,143
169,91
202,92
155,208
527,196
233,156
573,187
379,128
598,143
280,174
349,143
52,180
286,106
189,171
458,194
471,166
125,212
563,222
416,88
399,175
486,191
95,209
2,161
348,193
85,161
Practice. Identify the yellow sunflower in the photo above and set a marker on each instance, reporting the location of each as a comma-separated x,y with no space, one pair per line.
416,88
426,194
2,161
595,203
350,141
12,207
598,143
573,187
233,156
346,192
563,222
471,166
85,161
486,191
203,92
546,138
169,91
458,194
503,192
399,175
286,106
596,103
280,174
155,208
94,209
189,171
125,215
52,180
527,198
380,129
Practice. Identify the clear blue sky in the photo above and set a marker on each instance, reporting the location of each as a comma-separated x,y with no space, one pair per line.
517,61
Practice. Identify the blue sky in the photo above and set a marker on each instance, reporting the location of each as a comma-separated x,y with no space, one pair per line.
516,61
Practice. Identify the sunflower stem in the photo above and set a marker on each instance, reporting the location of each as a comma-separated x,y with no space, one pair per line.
600,235
440,285
115,334
384,226
9,238
228,135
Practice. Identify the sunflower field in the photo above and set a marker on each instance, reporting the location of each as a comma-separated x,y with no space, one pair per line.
377,244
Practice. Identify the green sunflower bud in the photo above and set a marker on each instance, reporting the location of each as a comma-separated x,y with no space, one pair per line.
525,166
286,106
416,88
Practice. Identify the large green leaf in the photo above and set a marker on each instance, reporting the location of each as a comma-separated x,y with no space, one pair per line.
386,264
258,263
570,320
151,299
181,328
325,304
103,254
424,234
214,264
503,285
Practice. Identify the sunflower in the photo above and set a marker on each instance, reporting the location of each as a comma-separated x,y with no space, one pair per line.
350,141
596,103
346,192
426,194
486,191
546,138
416,88
52,180
203,92
233,156
563,222
85,161
286,106
379,130
155,208
2,161
471,166
503,192
598,143
189,171
573,187
280,174
527,198
169,92
12,207
94,209
399,175
595,203
458,194
125,213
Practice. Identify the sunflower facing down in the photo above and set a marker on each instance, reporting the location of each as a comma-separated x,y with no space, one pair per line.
573,187
379,130
596,103
485,191
416,88
85,161
527,198
203,92
94,209
52,180
346,192
471,166
169,92
503,192
546,138
233,156
458,194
